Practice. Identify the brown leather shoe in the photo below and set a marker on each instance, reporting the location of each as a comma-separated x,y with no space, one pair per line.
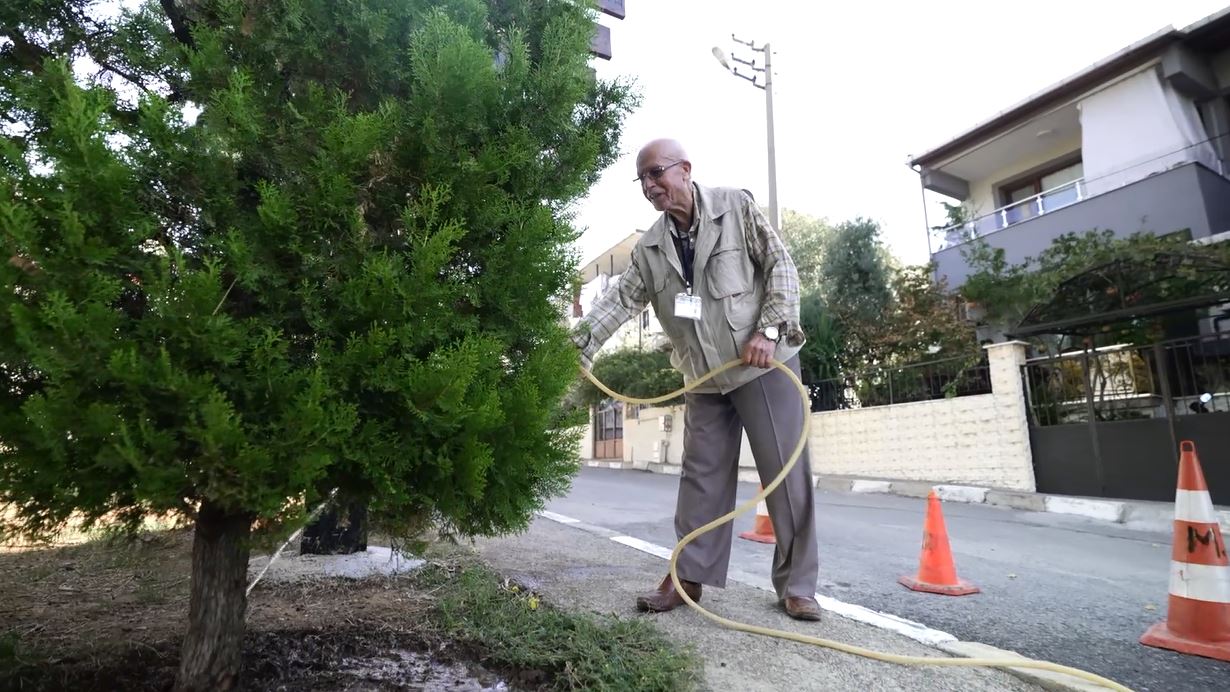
666,597
801,607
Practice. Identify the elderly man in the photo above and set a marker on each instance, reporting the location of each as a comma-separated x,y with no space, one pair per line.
724,287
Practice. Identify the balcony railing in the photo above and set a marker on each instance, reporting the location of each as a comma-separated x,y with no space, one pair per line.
1024,210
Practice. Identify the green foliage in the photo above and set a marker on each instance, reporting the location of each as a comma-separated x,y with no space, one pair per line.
954,214
866,313
513,628
806,238
821,354
635,373
1006,292
888,315
343,272
926,324
857,273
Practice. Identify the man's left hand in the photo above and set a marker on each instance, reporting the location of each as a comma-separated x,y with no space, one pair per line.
759,351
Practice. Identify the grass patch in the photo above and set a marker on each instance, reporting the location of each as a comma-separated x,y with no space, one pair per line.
509,627
110,614
10,650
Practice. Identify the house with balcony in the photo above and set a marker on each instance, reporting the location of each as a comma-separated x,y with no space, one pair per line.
600,273
1139,141
605,438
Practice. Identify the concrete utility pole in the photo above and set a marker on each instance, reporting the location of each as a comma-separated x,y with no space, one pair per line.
767,87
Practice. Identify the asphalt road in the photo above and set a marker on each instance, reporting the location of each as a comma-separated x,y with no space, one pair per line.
1064,589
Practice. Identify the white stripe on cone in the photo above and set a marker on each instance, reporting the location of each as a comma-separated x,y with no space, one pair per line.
1195,506
762,510
1200,582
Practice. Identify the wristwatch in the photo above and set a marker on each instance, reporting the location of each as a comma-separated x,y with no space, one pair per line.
772,333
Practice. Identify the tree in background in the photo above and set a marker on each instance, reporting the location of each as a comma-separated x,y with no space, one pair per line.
868,312
856,285
927,323
635,372
806,238
956,226
821,356
343,272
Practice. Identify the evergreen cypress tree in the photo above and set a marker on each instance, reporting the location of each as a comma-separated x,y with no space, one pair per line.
257,250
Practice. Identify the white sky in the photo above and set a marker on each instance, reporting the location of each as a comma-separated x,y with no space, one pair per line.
858,88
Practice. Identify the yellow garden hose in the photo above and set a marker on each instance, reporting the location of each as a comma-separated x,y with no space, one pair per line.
764,492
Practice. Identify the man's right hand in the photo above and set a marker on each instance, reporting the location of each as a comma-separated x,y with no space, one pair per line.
759,351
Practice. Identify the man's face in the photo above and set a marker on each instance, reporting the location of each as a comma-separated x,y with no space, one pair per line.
665,181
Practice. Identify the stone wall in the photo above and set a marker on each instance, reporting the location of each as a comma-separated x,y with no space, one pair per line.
976,440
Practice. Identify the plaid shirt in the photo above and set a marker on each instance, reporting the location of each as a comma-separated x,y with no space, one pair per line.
629,295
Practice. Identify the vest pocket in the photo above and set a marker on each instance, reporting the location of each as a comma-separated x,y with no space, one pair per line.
741,316
727,272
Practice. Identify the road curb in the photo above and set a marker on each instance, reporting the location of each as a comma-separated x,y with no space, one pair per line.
1135,514
1046,679
1140,515
1106,510
616,465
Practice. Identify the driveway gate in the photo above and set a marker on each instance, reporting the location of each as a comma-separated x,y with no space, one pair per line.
1108,422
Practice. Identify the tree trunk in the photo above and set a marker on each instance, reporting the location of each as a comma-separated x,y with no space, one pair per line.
212,654
338,531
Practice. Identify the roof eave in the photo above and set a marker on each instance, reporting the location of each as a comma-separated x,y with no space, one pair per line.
1122,61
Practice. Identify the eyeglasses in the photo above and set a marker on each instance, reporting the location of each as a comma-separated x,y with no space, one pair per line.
655,173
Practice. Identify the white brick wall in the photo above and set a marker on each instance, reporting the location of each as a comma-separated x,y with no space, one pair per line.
973,440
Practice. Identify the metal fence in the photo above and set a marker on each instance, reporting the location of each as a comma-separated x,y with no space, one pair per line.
1174,378
940,379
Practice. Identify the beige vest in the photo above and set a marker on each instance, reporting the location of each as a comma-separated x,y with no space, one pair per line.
730,285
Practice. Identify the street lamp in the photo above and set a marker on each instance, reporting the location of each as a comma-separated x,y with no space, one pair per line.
767,87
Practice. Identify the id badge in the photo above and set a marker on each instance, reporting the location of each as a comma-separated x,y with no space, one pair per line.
687,307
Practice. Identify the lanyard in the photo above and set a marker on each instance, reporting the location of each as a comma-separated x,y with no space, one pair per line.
686,256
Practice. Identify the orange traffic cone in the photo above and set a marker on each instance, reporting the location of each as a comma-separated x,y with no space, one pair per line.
1198,619
762,530
936,571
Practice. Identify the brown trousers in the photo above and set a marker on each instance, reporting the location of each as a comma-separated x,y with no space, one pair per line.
769,409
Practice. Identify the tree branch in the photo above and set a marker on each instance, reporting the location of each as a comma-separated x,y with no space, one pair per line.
27,54
180,25
131,78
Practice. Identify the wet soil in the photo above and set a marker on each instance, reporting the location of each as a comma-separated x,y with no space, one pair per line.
109,615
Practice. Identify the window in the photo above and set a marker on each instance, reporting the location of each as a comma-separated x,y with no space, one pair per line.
1055,182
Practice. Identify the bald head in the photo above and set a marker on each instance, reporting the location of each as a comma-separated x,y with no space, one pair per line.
665,174
661,149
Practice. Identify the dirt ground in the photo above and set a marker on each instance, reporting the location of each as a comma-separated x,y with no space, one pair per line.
110,615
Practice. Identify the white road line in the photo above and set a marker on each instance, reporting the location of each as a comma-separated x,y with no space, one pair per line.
643,546
558,517
885,621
